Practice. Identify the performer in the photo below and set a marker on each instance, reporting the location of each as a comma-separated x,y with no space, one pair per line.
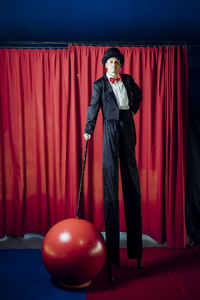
119,98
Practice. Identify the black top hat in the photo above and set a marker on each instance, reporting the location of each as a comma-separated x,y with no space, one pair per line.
112,52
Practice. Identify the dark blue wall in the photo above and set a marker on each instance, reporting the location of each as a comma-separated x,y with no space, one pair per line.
93,20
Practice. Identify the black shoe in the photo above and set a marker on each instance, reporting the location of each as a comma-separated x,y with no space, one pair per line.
110,277
139,264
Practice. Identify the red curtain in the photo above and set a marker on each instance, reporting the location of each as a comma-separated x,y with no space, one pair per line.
44,100
34,89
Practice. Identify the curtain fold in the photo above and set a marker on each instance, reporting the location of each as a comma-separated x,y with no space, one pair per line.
44,97
176,145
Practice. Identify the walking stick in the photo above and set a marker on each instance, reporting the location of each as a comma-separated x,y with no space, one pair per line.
81,181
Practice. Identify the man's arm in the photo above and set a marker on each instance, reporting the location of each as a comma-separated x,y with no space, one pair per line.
93,110
137,95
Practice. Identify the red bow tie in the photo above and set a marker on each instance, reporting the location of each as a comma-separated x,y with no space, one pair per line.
118,78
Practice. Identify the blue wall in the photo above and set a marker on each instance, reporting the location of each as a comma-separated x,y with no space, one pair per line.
93,20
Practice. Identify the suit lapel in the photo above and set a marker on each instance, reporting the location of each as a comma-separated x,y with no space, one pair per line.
109,88
125,82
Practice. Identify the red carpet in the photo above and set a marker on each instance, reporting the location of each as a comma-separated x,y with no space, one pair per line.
167,274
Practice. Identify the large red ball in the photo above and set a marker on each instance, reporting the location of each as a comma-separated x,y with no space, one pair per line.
73,251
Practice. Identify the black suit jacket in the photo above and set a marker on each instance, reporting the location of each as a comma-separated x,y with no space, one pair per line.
103,97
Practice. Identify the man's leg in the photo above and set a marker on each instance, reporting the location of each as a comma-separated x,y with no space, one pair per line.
111,183
131,190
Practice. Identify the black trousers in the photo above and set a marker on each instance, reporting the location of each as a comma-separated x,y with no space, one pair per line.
119,145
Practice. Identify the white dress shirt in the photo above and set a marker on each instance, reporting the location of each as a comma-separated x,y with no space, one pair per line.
119,92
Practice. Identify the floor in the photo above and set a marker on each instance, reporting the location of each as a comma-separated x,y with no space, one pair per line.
34,241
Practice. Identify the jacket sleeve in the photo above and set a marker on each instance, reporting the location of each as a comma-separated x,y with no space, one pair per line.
137,95
93,109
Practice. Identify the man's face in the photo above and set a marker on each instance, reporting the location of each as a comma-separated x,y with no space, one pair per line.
113,65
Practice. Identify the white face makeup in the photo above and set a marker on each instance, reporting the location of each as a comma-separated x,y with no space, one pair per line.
113,65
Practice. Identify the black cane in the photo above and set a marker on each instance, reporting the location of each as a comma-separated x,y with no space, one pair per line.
81,181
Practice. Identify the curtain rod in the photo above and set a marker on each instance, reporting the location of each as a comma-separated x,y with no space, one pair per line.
66,44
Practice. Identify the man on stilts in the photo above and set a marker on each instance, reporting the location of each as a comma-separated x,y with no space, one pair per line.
119,98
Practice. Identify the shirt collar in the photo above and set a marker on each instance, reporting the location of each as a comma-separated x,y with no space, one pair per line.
109,76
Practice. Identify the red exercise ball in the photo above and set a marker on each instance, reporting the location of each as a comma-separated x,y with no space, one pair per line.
74,252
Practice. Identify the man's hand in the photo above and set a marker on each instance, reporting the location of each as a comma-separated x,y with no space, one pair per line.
87,136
